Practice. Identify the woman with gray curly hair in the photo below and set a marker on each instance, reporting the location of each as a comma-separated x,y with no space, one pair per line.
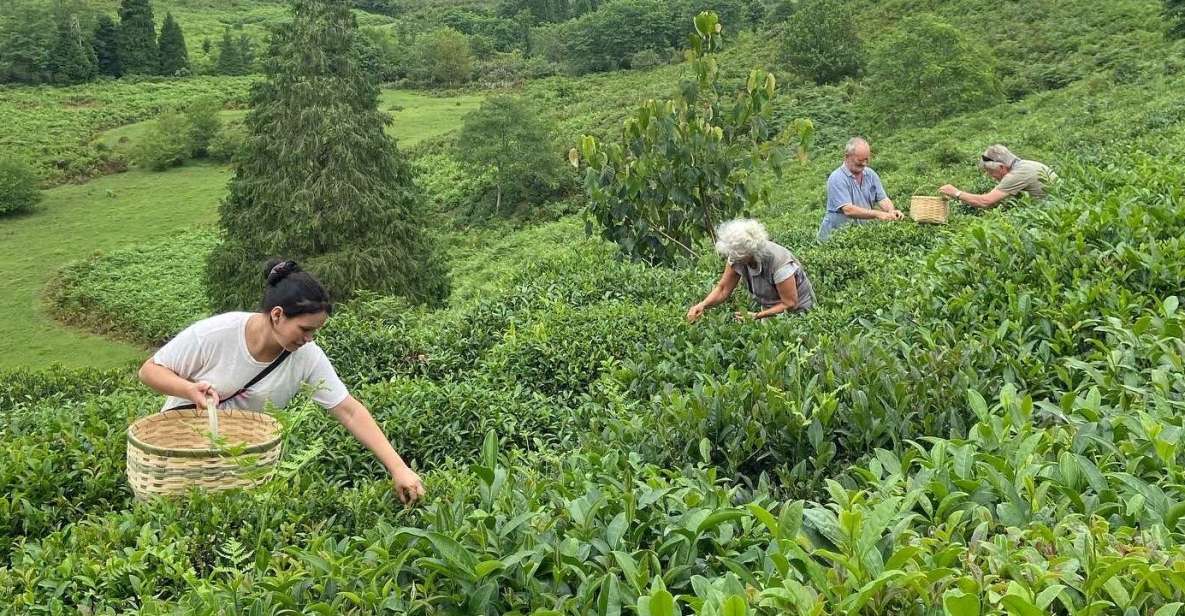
773,275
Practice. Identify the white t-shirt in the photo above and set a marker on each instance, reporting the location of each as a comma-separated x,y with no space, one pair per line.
215,350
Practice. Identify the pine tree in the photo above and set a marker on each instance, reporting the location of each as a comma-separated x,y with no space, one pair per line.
138,53
247,53
319,180
230,57
174,59
106,45
72,59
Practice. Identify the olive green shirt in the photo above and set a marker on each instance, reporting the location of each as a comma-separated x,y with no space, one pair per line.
1027,176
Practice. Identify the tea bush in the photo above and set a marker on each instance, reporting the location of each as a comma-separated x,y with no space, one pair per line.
107,292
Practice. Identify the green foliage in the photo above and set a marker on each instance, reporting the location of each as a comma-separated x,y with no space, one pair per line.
18,186
174,58
606,38
167,144
227,143
510,137
26,36
350,211
230,57
72,60
928,70
54,128
106,46
106,293
445,58
450,184
686,164
647,58
1174,15
138,50
205,125
820,41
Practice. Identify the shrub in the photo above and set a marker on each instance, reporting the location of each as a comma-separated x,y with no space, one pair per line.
928,70
18,186
227,143
648,58
167,143
204,125
820,41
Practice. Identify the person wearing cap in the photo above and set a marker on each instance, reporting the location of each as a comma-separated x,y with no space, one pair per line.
853,190
774,277
249,360
1012,174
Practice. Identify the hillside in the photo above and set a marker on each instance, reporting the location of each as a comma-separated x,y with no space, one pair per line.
983,417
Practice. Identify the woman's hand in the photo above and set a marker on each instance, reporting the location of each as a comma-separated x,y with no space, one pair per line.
741,317
201,393
948,190
694,313
408,486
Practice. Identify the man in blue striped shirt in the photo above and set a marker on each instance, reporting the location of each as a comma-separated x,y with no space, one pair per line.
852,191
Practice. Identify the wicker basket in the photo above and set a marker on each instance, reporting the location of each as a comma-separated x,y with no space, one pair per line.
172,451
928,209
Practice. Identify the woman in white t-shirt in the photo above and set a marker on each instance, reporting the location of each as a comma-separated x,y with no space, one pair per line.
216,357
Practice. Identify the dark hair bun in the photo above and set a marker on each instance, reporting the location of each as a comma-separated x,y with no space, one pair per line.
278,270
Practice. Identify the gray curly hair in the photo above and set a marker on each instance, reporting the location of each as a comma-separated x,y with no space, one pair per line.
997,157
741,238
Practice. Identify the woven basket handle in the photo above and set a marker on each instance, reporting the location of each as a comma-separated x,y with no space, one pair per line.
212,414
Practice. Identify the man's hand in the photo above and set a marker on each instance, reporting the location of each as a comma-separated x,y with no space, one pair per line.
888,216
694,313
741,317
408,486
948,190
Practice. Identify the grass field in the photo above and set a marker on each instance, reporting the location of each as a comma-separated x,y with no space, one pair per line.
75,221
416,117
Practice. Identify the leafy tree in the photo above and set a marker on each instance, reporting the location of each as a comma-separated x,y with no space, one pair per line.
106,45
18,186
1174,15
27,35
204,124
509,136
927,70
445,57
174,58
821,41
166,144
138,52
72,59
230,57
605,39
685,164
319,180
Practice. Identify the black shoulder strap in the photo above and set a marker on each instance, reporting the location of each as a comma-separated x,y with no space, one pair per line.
257,378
